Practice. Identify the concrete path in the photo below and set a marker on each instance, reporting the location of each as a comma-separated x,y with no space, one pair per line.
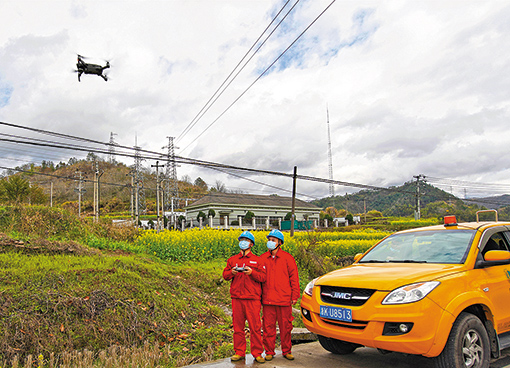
312,355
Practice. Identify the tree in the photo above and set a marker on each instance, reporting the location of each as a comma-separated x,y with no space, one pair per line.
202,215
219,187
288,216
199,182
248,217
332,211
91,156
211,213
15,189
186,179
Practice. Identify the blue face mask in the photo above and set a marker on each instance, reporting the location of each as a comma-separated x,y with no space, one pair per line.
244,244
271,245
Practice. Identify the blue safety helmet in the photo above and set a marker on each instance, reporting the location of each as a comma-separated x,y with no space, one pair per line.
247,235
277,234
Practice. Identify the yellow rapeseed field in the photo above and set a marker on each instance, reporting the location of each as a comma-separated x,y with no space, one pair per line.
208,244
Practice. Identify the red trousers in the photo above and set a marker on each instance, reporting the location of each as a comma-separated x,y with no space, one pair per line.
282,314
247,310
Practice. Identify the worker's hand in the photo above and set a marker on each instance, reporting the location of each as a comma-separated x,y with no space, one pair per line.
234,272
294,302
247,270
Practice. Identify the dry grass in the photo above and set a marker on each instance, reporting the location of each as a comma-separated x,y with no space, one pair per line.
116,356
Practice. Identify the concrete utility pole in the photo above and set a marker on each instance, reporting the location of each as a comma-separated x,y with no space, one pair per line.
293,217
80,190
157,166
97,195
417,213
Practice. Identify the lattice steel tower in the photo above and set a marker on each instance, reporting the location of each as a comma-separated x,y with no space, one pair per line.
171,187
111,148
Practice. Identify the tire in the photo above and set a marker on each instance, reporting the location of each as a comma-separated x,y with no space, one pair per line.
337,346
468,345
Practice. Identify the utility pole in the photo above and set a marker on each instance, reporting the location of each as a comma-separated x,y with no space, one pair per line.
51,194
80,190
138,180
417,213
97,195
293,217
157,166
132,194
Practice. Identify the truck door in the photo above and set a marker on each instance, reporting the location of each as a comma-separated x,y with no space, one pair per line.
498,281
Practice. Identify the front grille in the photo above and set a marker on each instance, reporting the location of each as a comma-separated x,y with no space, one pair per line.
353,297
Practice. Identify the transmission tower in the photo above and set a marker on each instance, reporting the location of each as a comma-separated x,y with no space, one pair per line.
330,157
111,148
171,188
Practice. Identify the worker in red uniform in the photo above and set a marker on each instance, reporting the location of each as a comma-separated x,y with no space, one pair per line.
279,293
247,272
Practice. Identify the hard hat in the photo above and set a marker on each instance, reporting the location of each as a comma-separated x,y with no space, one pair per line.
247,235
277,234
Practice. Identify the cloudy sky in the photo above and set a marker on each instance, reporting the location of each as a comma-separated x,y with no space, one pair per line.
412,87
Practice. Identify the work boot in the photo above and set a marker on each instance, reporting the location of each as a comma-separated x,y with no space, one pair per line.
260,359
235,358
268,357
289,356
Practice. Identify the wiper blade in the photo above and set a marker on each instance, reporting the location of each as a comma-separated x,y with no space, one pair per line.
405,261
373,261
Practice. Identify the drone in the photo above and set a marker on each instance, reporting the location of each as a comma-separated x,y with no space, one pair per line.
87,68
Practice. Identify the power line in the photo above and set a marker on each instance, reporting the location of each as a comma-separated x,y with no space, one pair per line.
150,155
204,110
260,76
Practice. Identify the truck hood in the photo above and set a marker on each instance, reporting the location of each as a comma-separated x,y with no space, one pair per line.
386,276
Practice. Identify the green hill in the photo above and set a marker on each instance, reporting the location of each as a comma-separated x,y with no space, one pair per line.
394,201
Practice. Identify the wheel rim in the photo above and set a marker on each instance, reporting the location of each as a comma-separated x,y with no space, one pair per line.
472,349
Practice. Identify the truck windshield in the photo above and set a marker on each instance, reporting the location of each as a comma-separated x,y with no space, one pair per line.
444,246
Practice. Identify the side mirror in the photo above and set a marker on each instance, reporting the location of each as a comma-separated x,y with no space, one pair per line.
497,255
357,257
493,258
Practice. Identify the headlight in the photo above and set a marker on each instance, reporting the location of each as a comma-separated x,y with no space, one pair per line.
410,293
309,287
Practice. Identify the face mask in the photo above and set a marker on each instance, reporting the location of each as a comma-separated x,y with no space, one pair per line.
244,244
271,245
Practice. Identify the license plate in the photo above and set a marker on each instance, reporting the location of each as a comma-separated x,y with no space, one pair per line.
336,313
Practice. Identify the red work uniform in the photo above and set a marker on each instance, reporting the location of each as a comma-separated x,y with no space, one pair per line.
246,292
278,292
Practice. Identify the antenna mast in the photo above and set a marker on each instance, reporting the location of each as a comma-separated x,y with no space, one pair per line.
330,157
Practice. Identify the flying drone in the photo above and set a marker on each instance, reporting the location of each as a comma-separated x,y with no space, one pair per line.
87,68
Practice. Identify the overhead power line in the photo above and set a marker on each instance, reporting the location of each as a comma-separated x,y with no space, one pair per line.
260,76
217,93
151,155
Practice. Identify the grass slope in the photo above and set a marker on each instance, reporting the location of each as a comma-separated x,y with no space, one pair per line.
58,297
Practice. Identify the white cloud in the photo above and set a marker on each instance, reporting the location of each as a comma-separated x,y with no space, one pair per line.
412,87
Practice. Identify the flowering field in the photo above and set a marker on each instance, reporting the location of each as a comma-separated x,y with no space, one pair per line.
209,244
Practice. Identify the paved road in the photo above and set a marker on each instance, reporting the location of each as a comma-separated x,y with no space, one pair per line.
312,355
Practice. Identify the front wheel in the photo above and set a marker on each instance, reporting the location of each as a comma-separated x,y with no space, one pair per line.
467,346
337,346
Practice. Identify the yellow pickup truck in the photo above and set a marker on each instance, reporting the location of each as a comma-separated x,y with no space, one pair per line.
440,291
